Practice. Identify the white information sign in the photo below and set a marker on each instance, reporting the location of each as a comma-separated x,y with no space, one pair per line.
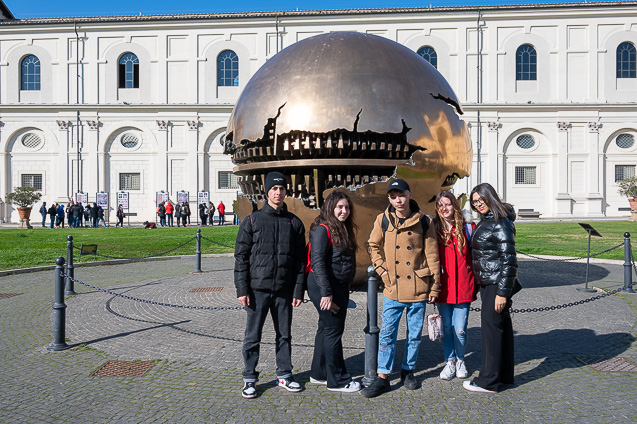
81,198
182,196
202,197
102,200
162,196
122,199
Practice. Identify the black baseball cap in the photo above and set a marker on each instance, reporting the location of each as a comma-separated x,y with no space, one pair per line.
398,184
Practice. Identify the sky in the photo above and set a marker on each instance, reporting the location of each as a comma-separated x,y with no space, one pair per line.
66,8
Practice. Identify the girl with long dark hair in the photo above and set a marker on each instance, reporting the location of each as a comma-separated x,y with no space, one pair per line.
496,269
457,282
333,265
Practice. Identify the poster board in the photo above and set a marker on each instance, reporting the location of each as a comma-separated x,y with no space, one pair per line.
183,196
81,198
122,199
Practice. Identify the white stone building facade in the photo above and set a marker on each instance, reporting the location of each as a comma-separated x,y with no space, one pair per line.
140,103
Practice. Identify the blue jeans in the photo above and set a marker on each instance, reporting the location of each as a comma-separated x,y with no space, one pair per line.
392,312
454,329
43,220
170,219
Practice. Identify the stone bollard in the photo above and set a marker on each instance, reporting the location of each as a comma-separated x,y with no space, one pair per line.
372,330
198,252
59,310
70,269
628,272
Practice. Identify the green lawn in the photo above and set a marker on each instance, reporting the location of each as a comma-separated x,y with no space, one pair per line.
28,248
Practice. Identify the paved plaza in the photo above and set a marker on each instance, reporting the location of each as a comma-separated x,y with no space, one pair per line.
197,372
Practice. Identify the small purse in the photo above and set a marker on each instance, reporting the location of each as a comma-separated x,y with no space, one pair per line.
434,325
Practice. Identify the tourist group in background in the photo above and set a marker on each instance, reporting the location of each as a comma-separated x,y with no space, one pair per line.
74,214
444,260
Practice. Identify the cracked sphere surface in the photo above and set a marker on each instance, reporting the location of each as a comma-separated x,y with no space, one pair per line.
347,110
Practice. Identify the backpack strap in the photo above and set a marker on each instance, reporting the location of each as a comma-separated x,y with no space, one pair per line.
384,224
329,236
468,229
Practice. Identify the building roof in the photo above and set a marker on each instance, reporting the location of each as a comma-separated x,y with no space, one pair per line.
4,11
303,13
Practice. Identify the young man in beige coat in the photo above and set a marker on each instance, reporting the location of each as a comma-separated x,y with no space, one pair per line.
404,251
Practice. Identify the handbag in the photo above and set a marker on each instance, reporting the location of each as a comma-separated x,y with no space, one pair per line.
434,326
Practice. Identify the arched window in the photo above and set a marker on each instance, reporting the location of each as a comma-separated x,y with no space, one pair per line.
228,69
128,71
30,73
626,61
429,54
526,63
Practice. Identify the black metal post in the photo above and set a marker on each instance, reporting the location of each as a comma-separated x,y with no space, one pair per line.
628,272
59,310
588,259
372,330
70,269
198,252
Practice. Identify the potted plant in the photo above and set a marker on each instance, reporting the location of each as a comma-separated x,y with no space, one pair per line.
628,188
24,198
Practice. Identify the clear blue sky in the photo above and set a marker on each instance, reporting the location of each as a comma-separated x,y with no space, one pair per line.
66,8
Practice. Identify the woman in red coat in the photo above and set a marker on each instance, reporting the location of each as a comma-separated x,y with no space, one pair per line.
457,283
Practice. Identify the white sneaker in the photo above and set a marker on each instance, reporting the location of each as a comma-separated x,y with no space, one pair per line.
315,381
474,388
352,386
449,371
461,369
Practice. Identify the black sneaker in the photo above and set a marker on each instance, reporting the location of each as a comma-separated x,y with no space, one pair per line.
377,388
408,379
249,390
289,384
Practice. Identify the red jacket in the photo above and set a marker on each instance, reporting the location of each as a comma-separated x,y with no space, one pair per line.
169,208
221,208
457,282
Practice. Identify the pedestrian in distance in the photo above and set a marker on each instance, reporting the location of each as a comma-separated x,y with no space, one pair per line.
222,213
120,216
76,212
332,251
53,214
43,212
211,213
184,214
188,212
169,213
404,252
100,216
59,223
161,213
203,214
88,216
178,213
457,282
69,215
269,277
496,269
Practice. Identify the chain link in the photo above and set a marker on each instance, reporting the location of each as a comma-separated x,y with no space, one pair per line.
141,257
216,242
154,302
570,259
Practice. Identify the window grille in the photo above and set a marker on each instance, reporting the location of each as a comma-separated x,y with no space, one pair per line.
625,141
128,71
526,63
31,140
129,181
227,180
228,69
32,180
429,54
623,172
525,141
626,61
525,174
30,73
129,140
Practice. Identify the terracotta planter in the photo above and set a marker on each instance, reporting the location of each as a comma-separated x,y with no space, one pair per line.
24,212
633,204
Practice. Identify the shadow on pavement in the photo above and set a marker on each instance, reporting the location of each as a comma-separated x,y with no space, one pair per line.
535,274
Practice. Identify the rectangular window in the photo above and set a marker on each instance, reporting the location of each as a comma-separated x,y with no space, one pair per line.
130,181
525,174
227,180
32,180
624,171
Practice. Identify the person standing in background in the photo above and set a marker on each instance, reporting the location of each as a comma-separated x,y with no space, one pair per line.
222,213
211,213
43,212
169,213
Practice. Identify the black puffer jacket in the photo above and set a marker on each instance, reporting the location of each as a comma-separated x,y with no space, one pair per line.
493,251
270,253
330,264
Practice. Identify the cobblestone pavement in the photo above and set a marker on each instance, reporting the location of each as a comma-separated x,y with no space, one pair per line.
197,375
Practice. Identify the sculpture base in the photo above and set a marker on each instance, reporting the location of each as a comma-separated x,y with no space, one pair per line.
24,223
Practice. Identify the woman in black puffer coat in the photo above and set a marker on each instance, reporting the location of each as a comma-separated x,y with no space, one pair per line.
496,269
333,265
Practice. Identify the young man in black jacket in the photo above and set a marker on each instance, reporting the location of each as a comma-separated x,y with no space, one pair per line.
269,273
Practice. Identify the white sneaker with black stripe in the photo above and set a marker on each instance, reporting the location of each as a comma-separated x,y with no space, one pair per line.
289,384
249,390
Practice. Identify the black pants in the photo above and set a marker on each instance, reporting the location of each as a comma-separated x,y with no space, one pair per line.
497,342
280,307
120,222
328,362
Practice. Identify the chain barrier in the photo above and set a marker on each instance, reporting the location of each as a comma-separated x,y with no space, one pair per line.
141,257
216,242
154,302
570,259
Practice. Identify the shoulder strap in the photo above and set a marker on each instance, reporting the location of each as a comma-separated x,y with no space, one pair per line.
425,224
468,229
384,224
329,236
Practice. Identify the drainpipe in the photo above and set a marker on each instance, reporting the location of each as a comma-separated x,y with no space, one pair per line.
479,95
